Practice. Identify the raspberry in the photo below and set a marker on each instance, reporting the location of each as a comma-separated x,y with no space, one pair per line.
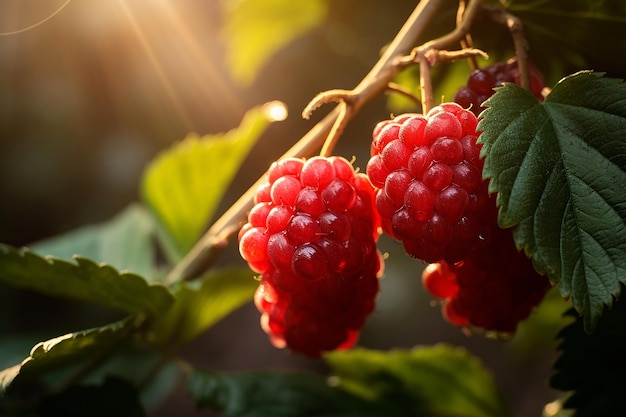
312,236
494,287
481,83
428,179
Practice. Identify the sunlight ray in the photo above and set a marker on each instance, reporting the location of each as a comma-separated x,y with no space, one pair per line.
167,85
206,74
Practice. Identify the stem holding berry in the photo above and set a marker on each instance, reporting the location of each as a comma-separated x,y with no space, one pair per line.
204,253
514,24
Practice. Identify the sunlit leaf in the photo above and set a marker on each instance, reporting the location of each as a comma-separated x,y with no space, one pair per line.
83,280
278,394
255,30
559,168
591,367
202,303
69,349
125,242
440,380
184,184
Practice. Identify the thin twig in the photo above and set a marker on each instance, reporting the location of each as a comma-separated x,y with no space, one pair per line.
514,24
345,100
336,131
459,32
466,42
330,96
400,89
438,56
204,253
426,85
431,49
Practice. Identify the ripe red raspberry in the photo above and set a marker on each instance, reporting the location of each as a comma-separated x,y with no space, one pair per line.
312,236
493,288
428,178
482,81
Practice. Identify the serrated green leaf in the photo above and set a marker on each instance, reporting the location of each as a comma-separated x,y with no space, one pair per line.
559,169
67,349
82,280
277,394
184,184
592,367
202,303
125,242
255,30
143,365
437,380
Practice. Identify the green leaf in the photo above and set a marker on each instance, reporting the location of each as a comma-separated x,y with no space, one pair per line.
592,367
277,394
111,348
254,30
538,332
124,241
559,169
69,349
202,303
184,185
439,380
83,280
115,397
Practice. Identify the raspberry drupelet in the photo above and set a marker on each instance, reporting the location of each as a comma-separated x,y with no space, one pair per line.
482,81
493,288
427,173
311,236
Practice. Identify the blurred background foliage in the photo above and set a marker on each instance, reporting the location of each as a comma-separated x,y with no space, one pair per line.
90,96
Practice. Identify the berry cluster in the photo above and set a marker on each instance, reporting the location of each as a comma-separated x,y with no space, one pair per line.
493,288
428,178
312,236
312,232
482,81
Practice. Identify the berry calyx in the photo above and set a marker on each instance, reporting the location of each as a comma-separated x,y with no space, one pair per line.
482,81
312,236
428,179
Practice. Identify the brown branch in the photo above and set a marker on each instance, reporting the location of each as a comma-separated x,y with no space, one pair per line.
426,54
438,56
514,24
204,253
426,85
466,42
336,96
336,131
459,32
